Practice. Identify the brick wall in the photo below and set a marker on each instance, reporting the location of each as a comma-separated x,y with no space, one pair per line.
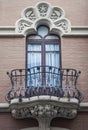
13,55
7,122
75,55
79,123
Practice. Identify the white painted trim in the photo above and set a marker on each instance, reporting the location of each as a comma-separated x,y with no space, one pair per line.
51,128
78,31
58,128
32,128
75,31
4,105
46,98
84,104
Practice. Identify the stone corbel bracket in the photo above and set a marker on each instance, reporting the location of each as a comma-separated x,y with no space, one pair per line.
44,107
43,14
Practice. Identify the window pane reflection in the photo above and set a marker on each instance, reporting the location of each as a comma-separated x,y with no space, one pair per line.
34,37
34,59
52,37
52,59
52,47
34,47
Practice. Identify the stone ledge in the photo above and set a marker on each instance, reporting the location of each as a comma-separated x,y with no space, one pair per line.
83,107
4,107
42,106
75,31
51,128
78,31
46,98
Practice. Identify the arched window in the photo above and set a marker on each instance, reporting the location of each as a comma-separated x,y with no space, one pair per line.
43,49
44,54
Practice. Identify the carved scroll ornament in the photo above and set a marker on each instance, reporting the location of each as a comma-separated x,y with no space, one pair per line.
42,12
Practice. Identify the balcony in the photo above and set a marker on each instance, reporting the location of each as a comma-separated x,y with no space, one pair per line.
44,91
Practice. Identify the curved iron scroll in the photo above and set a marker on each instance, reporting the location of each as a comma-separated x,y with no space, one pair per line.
44,80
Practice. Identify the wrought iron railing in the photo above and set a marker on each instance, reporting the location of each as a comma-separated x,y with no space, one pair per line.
43,80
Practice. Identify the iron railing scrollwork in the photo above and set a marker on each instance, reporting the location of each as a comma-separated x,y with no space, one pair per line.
43,80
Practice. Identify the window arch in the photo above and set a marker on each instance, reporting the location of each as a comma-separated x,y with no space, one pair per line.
44,58
43,48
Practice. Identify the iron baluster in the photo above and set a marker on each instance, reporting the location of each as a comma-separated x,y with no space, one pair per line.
56,82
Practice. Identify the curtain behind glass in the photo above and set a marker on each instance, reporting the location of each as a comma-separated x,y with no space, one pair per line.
34,59
34,55
52,55
52,59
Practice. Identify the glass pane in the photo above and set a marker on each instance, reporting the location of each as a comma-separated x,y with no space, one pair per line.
42,30
52,59
53,77
34,77
52,47
52,37
33,47
34,59
34,37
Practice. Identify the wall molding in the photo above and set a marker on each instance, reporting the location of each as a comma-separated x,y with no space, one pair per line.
83,107
50,128
75,31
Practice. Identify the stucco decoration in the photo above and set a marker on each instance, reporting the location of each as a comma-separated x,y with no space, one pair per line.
43,13
44,111
44,107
